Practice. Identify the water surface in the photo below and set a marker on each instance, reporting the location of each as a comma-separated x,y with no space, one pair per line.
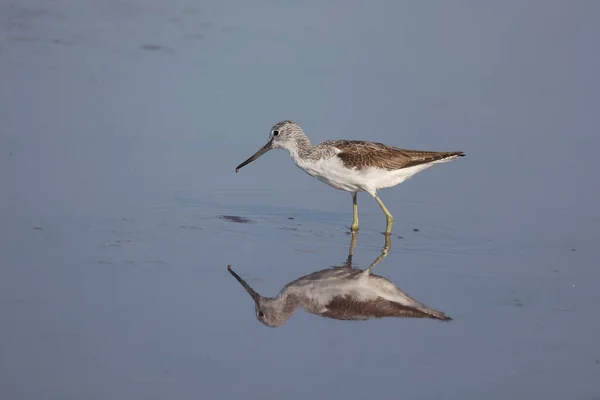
123,121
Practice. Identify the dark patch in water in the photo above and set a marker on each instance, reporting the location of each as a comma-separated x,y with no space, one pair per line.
38,228
518,303
399,237
415,229
235,218
156,47
290,217
151,47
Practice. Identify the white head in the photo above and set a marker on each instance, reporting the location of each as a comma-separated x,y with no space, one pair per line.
284,135
271,312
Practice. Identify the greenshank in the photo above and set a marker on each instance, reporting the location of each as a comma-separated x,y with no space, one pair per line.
351,165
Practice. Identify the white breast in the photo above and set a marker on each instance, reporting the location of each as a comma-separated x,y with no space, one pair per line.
322,291
332,171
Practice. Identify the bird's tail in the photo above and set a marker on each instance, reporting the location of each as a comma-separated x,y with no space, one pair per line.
448,156
434,314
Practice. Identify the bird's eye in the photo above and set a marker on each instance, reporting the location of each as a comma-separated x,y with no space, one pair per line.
261,314
275,133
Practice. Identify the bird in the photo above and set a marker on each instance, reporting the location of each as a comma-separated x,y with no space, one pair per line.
352,165
341,293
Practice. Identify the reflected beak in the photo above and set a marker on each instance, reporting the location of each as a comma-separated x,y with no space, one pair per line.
255,296
259,153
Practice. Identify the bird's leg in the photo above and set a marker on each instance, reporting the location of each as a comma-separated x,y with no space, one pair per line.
388,216
348,263
388,244
354,227
384,253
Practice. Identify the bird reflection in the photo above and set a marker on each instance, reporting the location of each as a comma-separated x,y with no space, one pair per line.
343,293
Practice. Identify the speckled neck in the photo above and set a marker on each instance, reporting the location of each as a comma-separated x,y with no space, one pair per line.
303,146
284,306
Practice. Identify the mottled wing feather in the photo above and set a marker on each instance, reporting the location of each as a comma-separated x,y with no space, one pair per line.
359,154
346,308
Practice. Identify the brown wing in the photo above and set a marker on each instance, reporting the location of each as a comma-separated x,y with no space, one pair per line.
358,154
345,308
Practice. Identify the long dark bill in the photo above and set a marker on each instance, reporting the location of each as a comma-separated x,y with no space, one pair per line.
259,153
250,291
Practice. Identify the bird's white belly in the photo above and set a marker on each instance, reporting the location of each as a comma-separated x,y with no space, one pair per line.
322,292
333,172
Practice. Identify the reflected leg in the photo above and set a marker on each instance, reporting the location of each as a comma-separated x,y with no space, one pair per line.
348,263
384,252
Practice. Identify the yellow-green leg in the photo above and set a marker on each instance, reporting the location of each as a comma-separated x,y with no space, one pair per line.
354,226
388,216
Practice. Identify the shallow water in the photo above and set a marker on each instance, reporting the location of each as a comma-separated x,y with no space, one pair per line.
123,121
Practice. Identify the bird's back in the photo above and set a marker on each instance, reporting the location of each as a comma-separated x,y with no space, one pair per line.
362,154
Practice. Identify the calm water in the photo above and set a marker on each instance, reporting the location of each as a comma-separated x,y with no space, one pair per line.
122,123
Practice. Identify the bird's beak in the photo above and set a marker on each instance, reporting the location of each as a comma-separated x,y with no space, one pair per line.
255,296
259,153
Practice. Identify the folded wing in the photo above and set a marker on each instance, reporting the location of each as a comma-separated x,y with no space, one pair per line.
359,155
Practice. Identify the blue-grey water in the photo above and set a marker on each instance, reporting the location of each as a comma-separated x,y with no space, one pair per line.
121,123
